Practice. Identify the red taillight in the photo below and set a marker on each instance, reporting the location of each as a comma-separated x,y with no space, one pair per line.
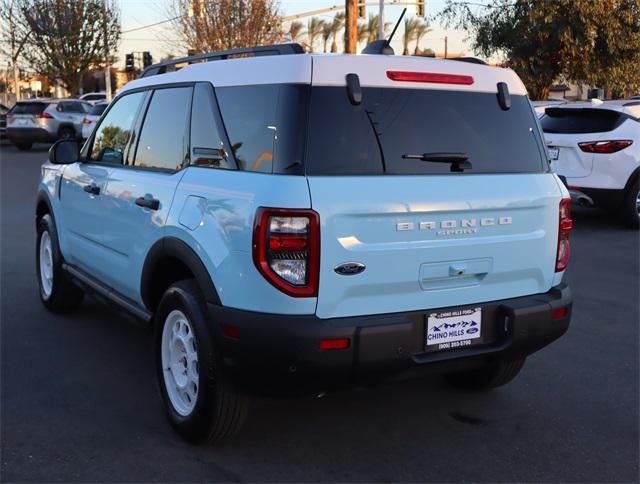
610,146
564,230
559,313
432,77
43,116
286,249
334,344
231,331
86,121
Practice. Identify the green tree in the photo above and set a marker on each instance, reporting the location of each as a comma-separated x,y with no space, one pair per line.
295,30
336,26
421,30
67,37
410,28
592,41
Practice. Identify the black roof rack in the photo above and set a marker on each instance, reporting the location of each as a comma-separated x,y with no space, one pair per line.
260,50
471,60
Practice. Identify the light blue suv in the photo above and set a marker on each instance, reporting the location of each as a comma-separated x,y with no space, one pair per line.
297,223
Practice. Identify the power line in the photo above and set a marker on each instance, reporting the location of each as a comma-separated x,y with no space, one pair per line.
151,25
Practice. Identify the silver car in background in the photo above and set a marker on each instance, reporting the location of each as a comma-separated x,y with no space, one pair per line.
90,120
45,120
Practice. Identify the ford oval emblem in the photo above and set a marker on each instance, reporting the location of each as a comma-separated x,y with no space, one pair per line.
349,268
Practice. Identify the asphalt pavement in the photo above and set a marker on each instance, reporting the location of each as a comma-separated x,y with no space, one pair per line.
79,401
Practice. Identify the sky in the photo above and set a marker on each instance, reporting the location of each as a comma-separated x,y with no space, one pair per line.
160,40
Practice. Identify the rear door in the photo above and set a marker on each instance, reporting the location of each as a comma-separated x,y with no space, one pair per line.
428,237
139,193
564,130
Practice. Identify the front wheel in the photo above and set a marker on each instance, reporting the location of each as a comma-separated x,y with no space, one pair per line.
57,291
489,376
202,406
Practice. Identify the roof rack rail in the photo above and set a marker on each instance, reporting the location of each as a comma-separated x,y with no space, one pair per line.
471,60
260,50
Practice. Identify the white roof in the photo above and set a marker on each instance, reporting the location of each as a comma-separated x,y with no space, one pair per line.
331,69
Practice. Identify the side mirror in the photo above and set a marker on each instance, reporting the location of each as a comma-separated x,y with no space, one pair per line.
64,152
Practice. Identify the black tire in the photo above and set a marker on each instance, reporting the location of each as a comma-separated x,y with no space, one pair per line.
67,132
490,376
62,294
23,146
630,209
219,411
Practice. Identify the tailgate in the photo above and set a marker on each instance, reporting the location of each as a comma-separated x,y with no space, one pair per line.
567,159
433,241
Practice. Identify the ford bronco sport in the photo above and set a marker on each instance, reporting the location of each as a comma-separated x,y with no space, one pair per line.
296,222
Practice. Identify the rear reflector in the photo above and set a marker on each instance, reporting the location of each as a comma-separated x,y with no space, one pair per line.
231,331
334,344
559,313
610,146
431,77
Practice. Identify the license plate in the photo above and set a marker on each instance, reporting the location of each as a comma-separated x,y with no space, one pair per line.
453,329
553,153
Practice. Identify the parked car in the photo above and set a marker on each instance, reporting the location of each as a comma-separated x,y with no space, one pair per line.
3,121
90,119
94,97
595,147
45,120
292,222
540,106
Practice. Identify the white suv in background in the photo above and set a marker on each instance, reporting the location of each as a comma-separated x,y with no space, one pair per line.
595,148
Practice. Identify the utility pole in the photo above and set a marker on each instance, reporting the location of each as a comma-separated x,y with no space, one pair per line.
446,46
107,67
381,21
351,26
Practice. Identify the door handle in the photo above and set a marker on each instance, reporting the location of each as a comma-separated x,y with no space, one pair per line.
152,203
92,189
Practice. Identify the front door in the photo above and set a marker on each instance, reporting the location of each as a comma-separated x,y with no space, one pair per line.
84,186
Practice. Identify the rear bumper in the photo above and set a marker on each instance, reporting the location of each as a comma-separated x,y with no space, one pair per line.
281,352
30,135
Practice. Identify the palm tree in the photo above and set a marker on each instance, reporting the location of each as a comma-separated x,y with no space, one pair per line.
363,32
422,29
410,29
372,27
336,27
326,33
295,30
314,29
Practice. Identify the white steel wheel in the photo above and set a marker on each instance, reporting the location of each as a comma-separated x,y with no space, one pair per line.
638,202
46,264
180,362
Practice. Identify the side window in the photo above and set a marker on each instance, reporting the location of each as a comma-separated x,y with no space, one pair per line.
249,115
115,130
163,139
207,147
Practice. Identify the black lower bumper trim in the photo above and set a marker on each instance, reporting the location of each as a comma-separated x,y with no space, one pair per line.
274,349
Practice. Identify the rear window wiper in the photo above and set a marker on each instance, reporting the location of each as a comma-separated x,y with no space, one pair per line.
459,161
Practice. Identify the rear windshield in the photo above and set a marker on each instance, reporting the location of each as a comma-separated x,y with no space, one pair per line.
98,109
28,108
376,137
580,120
298,129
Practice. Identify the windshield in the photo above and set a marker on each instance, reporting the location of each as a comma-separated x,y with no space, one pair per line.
343,141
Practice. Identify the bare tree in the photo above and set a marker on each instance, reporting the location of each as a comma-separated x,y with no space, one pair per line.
67,37
210,25
13,36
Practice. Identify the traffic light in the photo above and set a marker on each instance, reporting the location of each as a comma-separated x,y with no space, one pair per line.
362,10
420,8
128,63
147,60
